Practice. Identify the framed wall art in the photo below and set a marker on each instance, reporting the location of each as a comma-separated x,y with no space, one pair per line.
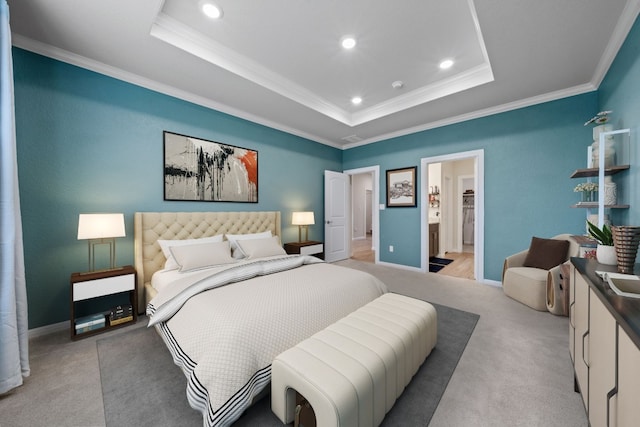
207,171
401,187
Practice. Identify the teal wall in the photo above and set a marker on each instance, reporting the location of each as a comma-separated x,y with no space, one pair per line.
529,155
620,92
90,143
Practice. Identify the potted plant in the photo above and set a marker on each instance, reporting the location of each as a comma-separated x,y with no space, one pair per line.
606,251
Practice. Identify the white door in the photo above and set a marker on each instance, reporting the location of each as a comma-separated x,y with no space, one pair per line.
337,216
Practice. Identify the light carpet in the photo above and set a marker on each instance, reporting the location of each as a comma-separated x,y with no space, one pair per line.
142,386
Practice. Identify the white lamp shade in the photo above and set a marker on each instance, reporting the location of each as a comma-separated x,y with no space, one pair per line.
99,226
302,218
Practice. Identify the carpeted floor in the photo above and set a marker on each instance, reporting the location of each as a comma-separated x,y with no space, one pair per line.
158,395
515,369
436,264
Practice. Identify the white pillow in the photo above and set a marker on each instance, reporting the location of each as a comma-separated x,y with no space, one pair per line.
258,248
233,239
165,245
201,255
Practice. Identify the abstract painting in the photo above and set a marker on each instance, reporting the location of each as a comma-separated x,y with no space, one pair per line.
200,170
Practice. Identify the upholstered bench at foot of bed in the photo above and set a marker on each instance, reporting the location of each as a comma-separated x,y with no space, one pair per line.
353,371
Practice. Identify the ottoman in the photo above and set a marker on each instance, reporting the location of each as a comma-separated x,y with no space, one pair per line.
352,372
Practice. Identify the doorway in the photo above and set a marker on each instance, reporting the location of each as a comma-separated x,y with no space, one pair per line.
459,214
364,212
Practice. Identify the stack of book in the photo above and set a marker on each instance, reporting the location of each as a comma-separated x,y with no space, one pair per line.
89,323
121,314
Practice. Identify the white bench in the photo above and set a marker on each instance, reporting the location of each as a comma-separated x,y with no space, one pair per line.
352,372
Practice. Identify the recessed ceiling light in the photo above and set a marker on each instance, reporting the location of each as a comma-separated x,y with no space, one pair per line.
398,84
447,63
356,100
212,10
348,42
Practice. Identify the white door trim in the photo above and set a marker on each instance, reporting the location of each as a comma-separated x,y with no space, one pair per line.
375,211
478,156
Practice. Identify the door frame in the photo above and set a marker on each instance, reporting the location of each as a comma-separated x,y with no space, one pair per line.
375,209
478,157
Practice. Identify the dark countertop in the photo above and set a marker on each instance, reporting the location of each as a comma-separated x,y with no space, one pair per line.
625,310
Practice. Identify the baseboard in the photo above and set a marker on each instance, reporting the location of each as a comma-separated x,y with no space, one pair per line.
48,329
492,283
400,266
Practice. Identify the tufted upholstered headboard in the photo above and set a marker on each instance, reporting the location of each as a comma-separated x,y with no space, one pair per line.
149,227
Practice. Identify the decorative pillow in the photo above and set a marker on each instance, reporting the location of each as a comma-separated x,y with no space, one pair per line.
234,238
165,245
261,247
546,253
201,255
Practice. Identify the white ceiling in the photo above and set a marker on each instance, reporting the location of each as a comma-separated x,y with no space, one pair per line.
280,63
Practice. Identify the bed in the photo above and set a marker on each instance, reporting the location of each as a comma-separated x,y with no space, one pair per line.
225,324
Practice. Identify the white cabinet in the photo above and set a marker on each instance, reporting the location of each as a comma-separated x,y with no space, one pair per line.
606,358
626,402
602,359
580,332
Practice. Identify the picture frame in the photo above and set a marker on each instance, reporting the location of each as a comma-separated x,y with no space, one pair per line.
201,170
401,187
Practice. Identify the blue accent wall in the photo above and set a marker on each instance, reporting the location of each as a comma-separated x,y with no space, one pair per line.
89,143
529,155
620,92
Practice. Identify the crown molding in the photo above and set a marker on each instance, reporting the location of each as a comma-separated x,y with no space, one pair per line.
552,96
620,33
119,74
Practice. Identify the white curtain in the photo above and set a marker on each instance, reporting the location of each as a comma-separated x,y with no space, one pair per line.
14,329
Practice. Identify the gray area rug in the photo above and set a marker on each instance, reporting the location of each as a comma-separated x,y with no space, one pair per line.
142,386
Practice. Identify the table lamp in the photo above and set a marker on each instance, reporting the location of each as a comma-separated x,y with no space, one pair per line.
303,220
101,229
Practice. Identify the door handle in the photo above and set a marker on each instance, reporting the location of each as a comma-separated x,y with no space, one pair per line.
571,314
583,349
328,222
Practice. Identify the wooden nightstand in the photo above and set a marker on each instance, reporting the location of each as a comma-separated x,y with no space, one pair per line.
89,286
309,247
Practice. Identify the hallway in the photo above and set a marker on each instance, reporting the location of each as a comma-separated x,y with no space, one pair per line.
361,249
462,265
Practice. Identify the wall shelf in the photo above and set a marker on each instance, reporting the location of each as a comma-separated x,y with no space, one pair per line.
601,172
592,205
592,172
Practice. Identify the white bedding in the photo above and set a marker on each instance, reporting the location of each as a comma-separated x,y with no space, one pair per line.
225,338
163,278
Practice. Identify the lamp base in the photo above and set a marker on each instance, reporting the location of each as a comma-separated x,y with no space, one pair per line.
306,233
112,254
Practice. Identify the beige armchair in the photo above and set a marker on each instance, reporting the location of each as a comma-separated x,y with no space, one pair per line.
537,287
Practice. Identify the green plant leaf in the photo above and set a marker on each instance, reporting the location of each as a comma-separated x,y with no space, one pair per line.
604,236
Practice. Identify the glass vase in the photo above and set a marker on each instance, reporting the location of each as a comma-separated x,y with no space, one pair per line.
589,196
